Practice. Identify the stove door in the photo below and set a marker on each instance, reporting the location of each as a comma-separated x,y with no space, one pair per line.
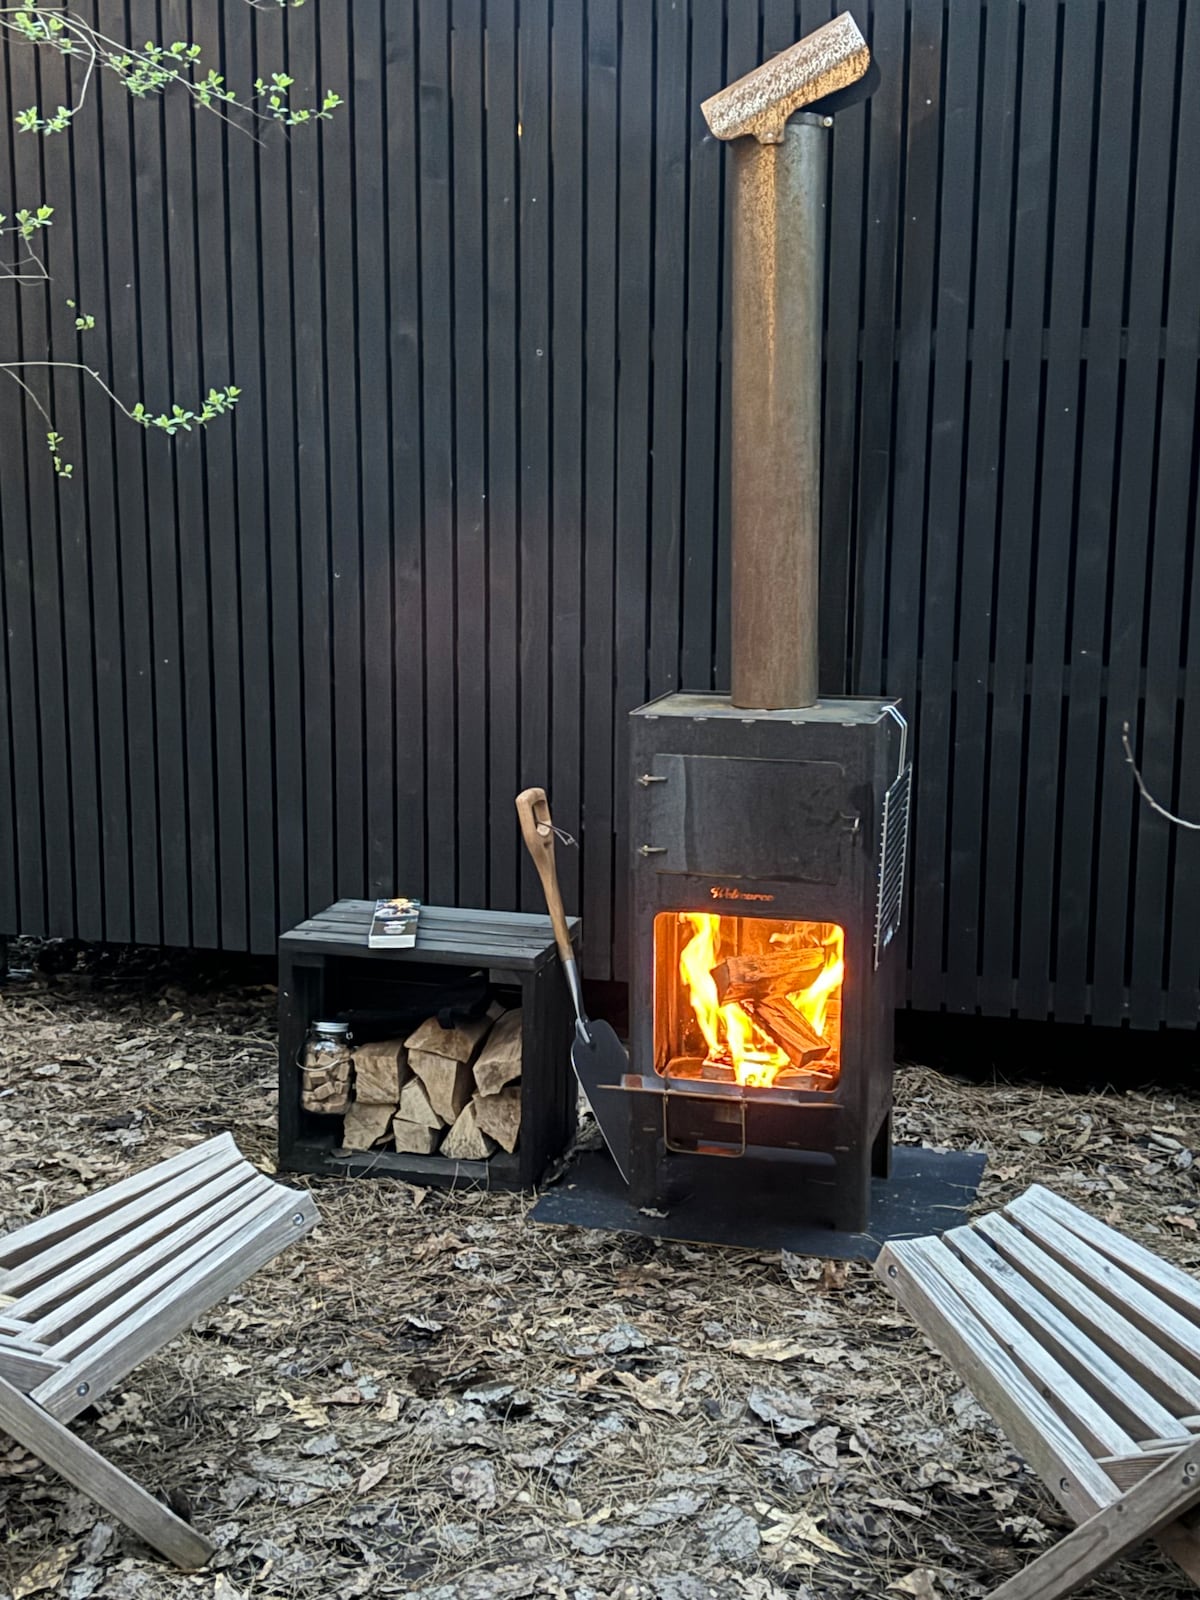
728,816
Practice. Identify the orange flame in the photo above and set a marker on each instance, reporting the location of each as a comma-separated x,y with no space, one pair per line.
733,1037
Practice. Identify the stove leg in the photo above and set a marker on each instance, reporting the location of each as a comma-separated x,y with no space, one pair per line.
881,1150
645,1161
853,1204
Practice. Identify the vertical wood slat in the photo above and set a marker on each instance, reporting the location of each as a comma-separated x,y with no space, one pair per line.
372,440
470,457
437,423
321,647
567,600
1134,494
43,573
198,622
981,504
220,530
599,510
947,458
503,593
1059,443
406,633
1097,497
1023,419
1175,633
533,215
279,434
244,680
339,219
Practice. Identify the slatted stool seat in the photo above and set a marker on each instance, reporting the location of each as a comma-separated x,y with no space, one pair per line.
1085,1347
90,1291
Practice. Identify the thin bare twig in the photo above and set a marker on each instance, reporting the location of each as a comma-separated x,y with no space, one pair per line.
11,368
1180,822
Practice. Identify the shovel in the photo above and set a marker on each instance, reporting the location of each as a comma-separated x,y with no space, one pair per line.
597,1055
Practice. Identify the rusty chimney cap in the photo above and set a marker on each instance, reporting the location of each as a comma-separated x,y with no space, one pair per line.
828,59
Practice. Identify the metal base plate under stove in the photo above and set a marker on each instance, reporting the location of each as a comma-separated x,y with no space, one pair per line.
797,818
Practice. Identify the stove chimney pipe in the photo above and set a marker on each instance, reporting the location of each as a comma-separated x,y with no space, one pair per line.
779,172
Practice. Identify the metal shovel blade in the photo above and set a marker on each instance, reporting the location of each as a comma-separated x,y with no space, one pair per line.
600,1062
597,1055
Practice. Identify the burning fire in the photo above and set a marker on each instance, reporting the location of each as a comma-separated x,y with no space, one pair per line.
733,1036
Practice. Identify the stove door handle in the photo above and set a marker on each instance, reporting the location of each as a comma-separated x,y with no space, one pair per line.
652,850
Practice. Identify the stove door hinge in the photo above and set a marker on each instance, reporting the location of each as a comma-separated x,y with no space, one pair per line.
647,778
852,823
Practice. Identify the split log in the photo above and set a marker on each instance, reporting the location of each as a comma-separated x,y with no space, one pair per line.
412,1138
758,977
366,1125
448,1083
499,1116
791,1031
460,1043
380,1072
466,1141
415,1107
500,1059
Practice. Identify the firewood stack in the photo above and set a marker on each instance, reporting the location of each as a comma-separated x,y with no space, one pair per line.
451,1091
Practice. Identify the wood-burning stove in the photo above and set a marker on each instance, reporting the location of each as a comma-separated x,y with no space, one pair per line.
768,827
768,866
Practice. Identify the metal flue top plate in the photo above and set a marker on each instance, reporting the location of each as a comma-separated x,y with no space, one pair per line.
840,710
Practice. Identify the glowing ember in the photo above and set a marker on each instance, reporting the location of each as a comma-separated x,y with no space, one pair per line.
784,1025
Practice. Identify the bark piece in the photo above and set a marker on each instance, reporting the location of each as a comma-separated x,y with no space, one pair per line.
415,1107
380,1072
460,1043
366,1125
499,1061
448,1083
774,972
499,1116
412,1138
466,1141
791,1031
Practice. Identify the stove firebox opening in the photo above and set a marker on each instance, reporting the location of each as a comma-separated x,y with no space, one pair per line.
748,1000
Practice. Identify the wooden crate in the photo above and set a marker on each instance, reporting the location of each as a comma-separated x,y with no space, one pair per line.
326,967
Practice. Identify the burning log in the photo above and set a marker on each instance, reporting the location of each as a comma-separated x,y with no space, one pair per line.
758,977
790,1029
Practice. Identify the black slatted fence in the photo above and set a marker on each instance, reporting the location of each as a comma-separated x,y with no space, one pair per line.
472,507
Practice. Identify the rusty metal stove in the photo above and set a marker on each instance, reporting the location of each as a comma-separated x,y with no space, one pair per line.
769,827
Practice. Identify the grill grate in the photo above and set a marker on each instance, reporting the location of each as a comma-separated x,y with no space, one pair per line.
893,851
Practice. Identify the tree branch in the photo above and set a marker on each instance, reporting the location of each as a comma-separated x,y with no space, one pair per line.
1180,822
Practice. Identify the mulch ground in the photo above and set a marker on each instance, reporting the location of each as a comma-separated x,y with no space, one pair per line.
434,1397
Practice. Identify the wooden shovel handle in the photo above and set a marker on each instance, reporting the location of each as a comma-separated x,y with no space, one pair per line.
537,830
